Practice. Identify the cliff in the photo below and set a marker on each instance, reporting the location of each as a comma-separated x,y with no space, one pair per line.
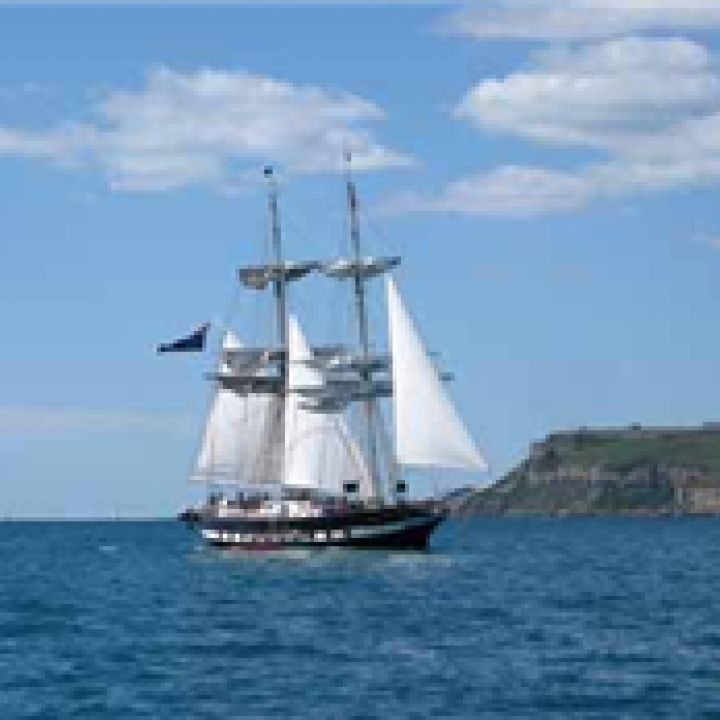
628,470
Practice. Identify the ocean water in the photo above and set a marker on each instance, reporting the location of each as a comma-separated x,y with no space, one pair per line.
511,618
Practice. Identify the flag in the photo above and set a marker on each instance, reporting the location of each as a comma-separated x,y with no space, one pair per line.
194,342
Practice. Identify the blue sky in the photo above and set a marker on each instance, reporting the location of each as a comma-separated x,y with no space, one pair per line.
550,180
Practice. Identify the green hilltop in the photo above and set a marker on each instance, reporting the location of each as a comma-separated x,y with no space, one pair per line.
628,449
612,470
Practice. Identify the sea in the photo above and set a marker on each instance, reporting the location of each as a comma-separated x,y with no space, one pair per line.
502,618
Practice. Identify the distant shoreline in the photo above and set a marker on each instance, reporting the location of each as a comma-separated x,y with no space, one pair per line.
60,519
460,517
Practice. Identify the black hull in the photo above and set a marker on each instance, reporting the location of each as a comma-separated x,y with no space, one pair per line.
398,528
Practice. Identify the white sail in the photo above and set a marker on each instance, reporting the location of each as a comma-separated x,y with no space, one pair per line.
320,453
240,443
428,430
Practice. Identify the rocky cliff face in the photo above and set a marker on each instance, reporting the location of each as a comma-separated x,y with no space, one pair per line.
633,470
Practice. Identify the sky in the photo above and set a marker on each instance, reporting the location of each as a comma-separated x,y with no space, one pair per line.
548,171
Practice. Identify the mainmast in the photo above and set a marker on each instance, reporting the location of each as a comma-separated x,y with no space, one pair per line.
361,308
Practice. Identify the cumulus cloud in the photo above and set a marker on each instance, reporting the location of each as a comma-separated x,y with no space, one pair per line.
578,19
649,108
608,96
208,126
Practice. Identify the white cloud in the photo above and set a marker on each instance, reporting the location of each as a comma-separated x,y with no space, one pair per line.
608,96
64,145
209,127
509,190
650,108
36,421
526,191
579,19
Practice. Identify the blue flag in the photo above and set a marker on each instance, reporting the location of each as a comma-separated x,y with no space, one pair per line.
195,342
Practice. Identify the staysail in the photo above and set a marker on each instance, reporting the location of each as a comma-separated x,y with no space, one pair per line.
320,452
428,429
241,439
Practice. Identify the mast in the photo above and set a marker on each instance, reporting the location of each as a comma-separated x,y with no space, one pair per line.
279,290
279,293
361,308
263,370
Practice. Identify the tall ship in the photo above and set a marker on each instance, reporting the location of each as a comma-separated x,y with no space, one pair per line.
297,450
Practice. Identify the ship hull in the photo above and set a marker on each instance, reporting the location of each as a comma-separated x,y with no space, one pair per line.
398,528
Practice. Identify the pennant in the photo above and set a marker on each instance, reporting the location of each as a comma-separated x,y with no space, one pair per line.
194,342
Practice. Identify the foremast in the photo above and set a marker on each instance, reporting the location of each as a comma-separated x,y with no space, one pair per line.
262,372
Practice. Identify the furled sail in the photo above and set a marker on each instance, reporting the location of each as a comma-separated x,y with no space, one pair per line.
241,441
368,267
258,277
428,430
320,452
